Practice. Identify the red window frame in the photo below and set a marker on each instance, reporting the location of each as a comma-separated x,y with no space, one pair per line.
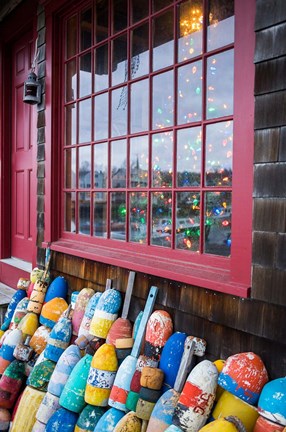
231,275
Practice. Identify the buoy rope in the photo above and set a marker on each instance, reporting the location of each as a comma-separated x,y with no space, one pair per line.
236,422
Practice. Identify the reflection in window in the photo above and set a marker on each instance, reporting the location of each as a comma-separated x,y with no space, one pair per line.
100,214
101,68
118,216
101,21
101,116
163,41
220,23
85,75
70,205
218,221
219,143
139,108
71,36
84,121
70,164
139,161
84,163
140,51
119,15
159,4
71,78
161,211
119,60
140,10
163,100
70,124
119,111
162,160
189,149
189,93
86,29
100,165
84,213
138,217
188,221
118,164
190,29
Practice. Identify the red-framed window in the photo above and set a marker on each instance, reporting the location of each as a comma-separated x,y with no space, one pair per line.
157,136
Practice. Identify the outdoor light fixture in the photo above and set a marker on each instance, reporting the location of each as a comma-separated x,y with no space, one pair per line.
32,87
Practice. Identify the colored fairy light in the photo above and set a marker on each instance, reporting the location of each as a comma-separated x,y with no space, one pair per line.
198,90
225,223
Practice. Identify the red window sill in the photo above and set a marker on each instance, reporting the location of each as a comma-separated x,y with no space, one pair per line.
216,279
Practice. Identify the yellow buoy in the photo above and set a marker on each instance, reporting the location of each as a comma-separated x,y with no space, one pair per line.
129,423
26,412
223,425
29,324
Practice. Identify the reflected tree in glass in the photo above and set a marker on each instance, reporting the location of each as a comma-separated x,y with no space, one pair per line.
138,217
84,213
161,214
188,221
118,215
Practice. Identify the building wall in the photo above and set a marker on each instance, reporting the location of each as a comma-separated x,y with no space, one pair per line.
229,324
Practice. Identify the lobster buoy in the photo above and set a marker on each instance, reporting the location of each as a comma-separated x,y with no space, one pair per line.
228,424
88,314
88,418
81,303
36,274
11,383
58,288
40,338
129,423
37,297
5,418
52,311
16,298
272,401
159,329
265,425
59,337
106,313
29,324
40,375
14,338
62,420
49,405
25,416
171,358
19,313
109,420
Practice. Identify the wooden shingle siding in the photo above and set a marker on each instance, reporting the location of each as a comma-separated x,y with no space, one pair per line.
270,180
270,76
270,109
264,209
269,12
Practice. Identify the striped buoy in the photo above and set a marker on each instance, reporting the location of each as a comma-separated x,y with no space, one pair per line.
25,416
49,405
106,313
36,274
159,329
14,338
16,298
37,297
81,303
72,397
39,427
88,418
10,384
40,338
88,314
62,420
101,376
272,401
52,311
19,313
59,337
244,375
70,357
57,288
264,425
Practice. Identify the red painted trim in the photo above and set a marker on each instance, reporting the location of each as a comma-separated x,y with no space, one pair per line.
9,275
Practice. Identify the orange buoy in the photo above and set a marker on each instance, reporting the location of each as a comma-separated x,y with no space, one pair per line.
40,338
52,310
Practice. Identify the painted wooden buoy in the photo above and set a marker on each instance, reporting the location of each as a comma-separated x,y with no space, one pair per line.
228,405
159,329
38,427
88,418
25,416
122,327
24,352
11,383
19,313
123,348
59,337
129,423
228,424
81,303
62,420
163,411
40,338
171,358
29,324
36,274
109,420
49,405
70,357
74,295
272,401
88,314
37,297
23,283
14,338
101,376
52,311
244,375
106,312
16,298
72,397
121,385
197,397
219,365
264,425
40,375
57,288
5,418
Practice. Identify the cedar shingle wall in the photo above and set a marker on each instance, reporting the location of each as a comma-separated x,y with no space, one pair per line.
269,216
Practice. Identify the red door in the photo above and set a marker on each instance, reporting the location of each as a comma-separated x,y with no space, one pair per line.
21,156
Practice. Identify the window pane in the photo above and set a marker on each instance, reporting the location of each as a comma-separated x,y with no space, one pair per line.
161,212
70,125
84,121
85,75
189,148
71,78
86,29
118,164
139,109
139,162
119,15
162,160
101,68
100,165
70,212
140,51
84,213
159,4
163,100
190,29
218,223
119,60
101,116
84,170
138,217
100,214
101,19
118,216
70,168
71,48
220,72
140,10
190,93
119,111
220,23
219,140
188,221
163,41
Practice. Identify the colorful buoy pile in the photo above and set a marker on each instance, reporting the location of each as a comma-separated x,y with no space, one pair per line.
80,367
